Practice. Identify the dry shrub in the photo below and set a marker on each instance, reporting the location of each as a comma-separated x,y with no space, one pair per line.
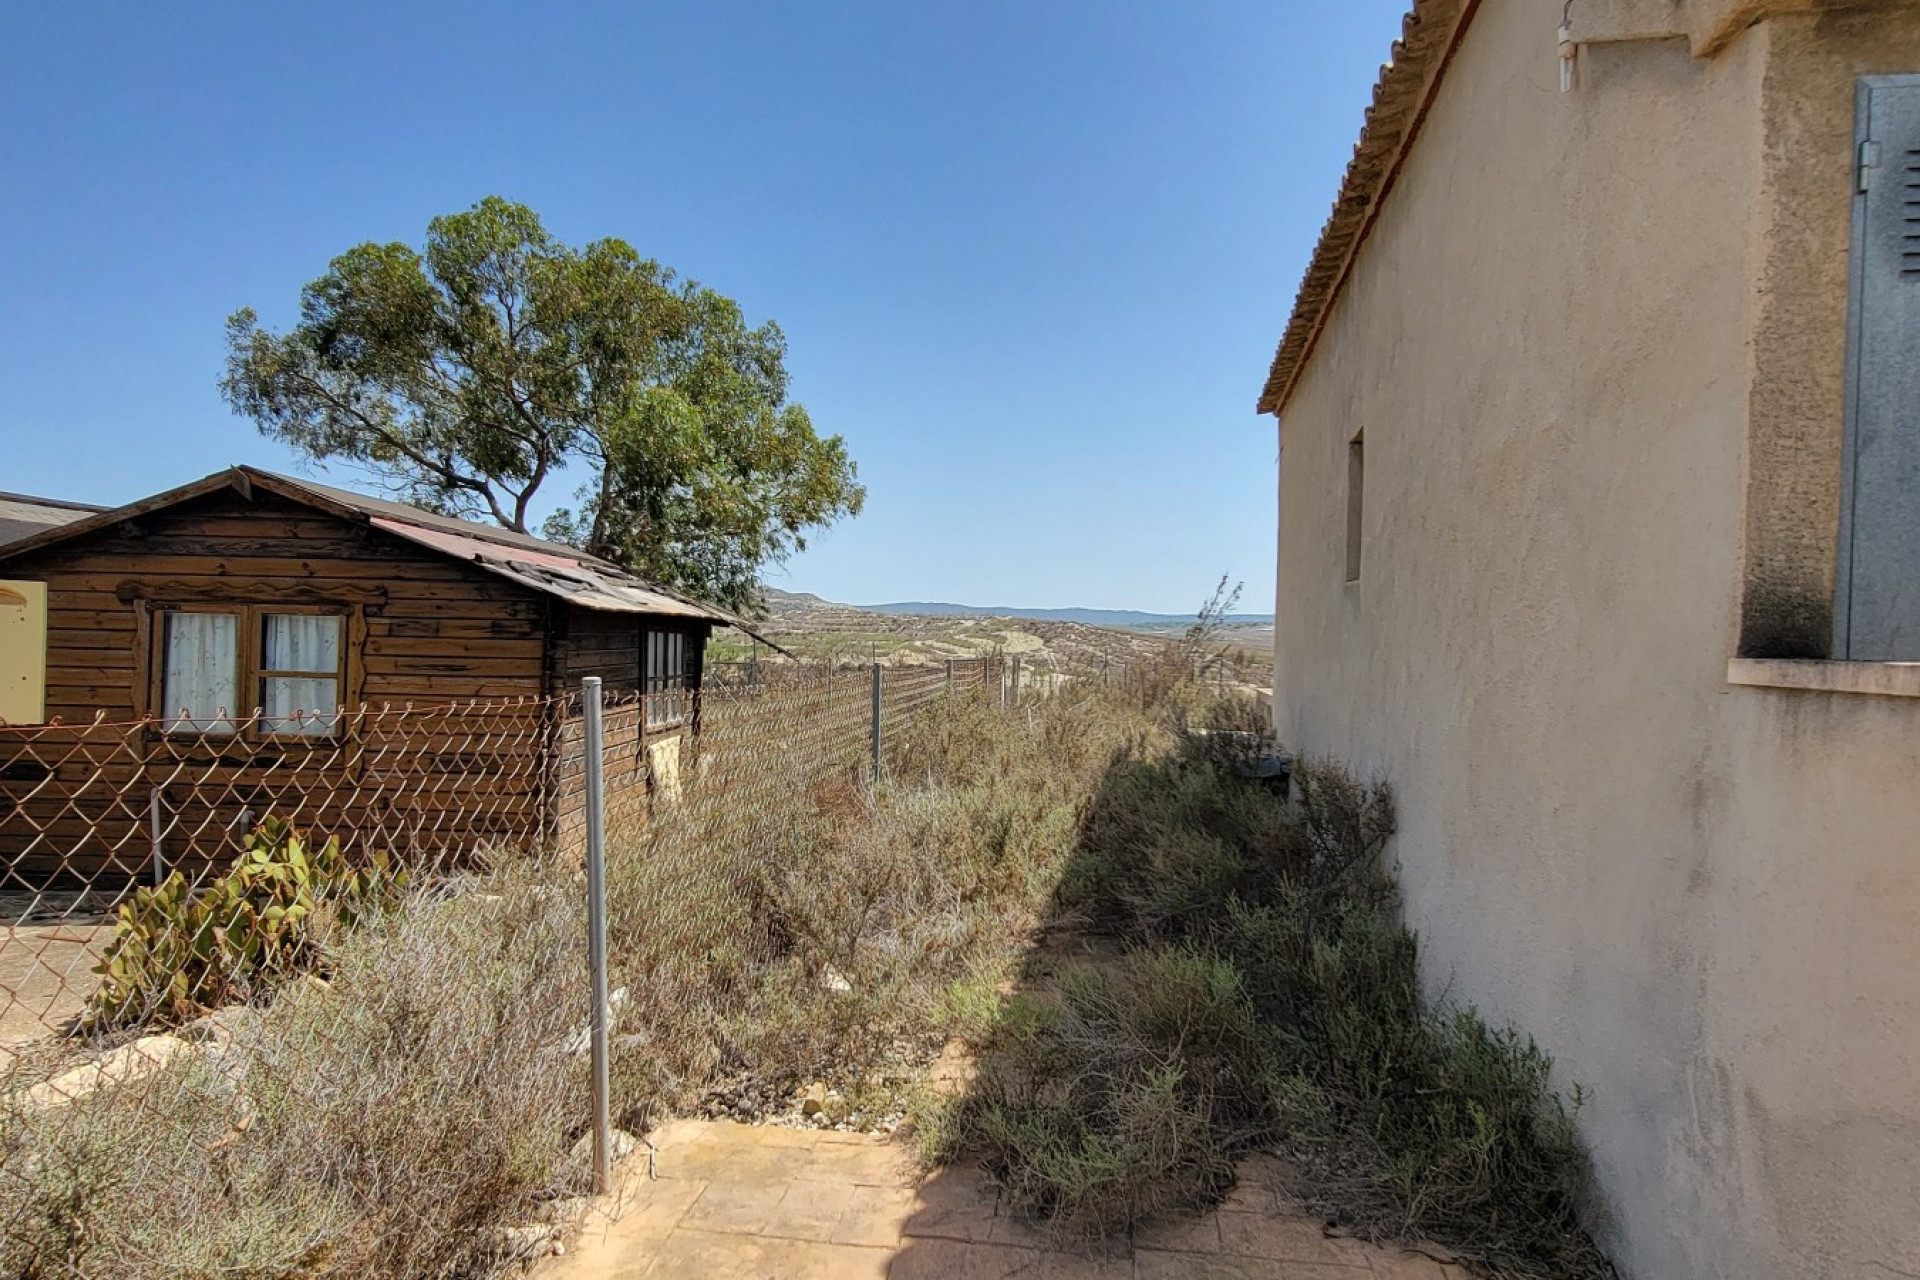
1093,1123
1269,998
780,924
385,1124
786,923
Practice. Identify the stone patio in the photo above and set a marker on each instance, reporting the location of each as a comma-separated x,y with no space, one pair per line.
731,1200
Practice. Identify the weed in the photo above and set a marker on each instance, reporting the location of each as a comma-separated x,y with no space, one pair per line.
1268,998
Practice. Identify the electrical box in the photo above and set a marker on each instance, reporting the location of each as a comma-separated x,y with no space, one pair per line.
23,652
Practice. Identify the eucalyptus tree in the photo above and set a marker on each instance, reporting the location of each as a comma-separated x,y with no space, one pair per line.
472,375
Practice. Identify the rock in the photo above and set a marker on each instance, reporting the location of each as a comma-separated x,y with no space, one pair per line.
529,1241
832,980
619,1147
579,1042
815,1100
564,1210
223,1026
130,1062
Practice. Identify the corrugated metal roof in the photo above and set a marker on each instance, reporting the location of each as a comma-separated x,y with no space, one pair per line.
580,581
551,568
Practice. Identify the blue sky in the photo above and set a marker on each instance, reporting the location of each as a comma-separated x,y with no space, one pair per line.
1032,258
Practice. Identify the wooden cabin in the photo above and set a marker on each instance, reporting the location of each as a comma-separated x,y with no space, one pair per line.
253,643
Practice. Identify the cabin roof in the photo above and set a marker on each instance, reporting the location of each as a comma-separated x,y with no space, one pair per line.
550,568
23,515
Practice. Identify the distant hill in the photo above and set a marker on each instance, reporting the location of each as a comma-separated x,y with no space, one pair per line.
1131,618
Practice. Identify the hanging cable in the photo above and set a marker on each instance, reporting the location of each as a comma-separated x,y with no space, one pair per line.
1568,50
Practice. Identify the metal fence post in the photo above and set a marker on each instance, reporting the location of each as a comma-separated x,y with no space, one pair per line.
949,679
597,929
876,725
986,677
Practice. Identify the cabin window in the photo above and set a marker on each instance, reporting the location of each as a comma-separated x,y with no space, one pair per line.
666,682
200,672
300,672
219,665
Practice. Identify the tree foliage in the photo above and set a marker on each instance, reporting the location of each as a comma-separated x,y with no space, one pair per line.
468,376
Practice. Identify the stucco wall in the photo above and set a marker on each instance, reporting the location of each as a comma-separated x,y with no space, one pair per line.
1578,326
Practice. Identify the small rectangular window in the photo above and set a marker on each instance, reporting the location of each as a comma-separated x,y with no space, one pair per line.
1356,491
300,673
666,678
200,673
217,666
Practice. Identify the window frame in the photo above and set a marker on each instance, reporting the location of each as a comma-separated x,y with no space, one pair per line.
655,689
250,670
1356,504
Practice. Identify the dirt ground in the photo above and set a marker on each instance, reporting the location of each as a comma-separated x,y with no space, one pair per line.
49,945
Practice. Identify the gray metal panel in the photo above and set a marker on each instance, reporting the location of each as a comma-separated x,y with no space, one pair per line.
1881,557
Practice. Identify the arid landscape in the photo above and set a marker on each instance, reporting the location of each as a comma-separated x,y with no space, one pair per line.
812,629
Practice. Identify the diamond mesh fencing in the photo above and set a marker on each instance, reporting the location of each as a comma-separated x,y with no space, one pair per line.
343,973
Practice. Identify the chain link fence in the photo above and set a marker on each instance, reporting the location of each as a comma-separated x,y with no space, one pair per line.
353,963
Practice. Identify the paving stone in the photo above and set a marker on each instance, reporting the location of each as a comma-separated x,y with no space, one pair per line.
809,1211
1180,1233
1010,1228
930,1259
693,1253
733,1160
1285,1239
935,1259
955,1204
645,1212
781,1204
865,1163
875,1216
774,1135
745,1206
1156,1264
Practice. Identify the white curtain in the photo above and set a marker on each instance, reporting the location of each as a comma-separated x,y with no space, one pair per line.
201,688
301,642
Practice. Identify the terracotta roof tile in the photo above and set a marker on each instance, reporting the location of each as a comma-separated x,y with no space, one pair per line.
1428,36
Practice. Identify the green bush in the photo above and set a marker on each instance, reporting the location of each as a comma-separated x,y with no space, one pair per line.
1268,997
177,953
1104,1104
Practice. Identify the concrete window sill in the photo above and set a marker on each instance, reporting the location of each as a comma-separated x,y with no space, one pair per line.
1887,679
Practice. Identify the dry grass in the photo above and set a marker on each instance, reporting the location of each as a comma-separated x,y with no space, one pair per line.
384,1124
785,924
1266,996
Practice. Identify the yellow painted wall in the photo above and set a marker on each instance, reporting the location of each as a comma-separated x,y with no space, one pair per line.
23,652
